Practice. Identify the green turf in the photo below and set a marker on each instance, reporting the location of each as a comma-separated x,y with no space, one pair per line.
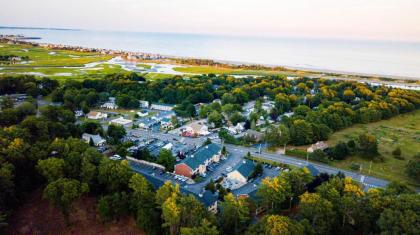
402,131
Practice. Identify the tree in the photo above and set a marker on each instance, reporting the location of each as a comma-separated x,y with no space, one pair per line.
340,151
236,118
114,206
116,132
63,192
52,168
7,102
143,203
215,118
274,191
206,228
114,175
171,213
368,144
413,168
234,214
301,132
164,192
166,159
298,179
278,225
319,155
318,211
277,136
397,152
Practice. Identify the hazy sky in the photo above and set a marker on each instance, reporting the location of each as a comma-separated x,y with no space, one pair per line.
372,19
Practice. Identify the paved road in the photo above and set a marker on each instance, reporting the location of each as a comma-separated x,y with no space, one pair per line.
368,181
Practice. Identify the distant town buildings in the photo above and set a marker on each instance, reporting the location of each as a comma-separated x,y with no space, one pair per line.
162,107
121,121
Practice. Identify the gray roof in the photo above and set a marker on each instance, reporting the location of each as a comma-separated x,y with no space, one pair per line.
207,198
201,155
246,169
95,138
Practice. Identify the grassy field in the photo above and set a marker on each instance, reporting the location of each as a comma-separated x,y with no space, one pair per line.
39,56
156,76
219,70
146,66
402,131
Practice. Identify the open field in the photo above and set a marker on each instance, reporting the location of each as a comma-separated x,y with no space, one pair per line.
156,76
220,70
39,56
402,131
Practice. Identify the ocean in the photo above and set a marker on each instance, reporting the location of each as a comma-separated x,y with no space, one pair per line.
388,58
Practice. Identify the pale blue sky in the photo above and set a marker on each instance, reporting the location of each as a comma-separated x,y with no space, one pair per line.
366,19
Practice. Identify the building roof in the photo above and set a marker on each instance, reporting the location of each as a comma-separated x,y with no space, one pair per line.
246,168
201,155
95,138
207,198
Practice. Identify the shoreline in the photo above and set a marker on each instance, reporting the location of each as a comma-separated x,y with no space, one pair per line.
144,56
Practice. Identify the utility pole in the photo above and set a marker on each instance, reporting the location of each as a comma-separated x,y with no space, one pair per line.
307,158
370,167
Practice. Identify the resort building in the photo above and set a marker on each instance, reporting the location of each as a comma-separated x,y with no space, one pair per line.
197,163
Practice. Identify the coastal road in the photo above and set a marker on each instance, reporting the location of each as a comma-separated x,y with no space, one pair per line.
367,181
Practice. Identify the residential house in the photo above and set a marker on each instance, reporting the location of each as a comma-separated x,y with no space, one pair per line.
234,130
96,115
254,135
166,124
197,162
195,129
209,200
144,104
320,145
110,104
96,139
146,123
240,176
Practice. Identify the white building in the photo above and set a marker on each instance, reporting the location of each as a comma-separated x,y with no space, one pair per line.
142,113
96,115
162,107
144,104
121,121
240,176
320,145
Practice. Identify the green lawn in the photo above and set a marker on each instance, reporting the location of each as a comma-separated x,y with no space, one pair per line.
145,66
39,56
402,131
156,76
219,70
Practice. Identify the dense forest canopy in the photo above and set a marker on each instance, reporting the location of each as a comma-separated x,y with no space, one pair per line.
41,147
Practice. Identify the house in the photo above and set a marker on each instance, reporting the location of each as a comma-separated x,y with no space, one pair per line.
142,113
121,121
195,129
240,176
236,129
166,124
78,113
209,200
96,139
320,145
147,123
144,104
254,135
110,104
197,163
162,107
96,115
